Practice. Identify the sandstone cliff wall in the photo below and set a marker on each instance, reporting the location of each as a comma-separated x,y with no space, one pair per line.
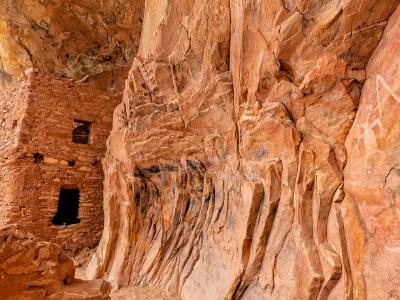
371,175
224,170
254,154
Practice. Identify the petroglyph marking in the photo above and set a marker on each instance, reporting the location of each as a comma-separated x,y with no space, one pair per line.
379,79
392,249
372,127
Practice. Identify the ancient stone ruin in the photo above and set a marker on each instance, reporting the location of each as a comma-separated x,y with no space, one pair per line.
255,153
53,139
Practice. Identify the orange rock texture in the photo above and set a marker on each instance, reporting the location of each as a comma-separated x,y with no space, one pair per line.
254,153
230,170
30,269
372,173
92,41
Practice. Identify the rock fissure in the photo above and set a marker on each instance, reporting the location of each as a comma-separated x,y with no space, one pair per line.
265,236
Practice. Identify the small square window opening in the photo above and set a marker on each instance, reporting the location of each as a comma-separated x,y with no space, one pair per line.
81,132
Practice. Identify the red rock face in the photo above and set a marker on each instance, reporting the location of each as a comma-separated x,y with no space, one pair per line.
224,171
39,270
91,41
372,175
254,154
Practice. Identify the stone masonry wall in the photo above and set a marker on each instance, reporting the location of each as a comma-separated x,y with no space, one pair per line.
46,132
12,107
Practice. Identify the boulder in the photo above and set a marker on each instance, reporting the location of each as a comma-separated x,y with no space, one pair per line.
35,270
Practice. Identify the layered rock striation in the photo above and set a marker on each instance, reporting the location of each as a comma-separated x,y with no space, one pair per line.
225,166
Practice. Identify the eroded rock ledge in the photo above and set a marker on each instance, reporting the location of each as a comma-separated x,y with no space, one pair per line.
91,41
224,171
30,269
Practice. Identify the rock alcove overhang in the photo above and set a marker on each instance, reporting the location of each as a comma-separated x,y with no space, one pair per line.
287,109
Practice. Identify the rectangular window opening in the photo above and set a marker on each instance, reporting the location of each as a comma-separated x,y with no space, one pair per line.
81,132
68,207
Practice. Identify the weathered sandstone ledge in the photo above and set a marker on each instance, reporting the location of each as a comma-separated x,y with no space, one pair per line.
30,269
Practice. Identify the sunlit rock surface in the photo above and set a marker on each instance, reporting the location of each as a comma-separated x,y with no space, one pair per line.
224,171
372,175
254,154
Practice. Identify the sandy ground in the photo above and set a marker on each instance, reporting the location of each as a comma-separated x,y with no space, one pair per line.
130,293
136,293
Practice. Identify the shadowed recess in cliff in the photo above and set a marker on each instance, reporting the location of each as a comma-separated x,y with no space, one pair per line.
91,41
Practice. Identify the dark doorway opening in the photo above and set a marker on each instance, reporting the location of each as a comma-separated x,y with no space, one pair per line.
81,132
68,206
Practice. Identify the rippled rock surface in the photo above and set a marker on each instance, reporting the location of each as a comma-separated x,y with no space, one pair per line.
230,170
